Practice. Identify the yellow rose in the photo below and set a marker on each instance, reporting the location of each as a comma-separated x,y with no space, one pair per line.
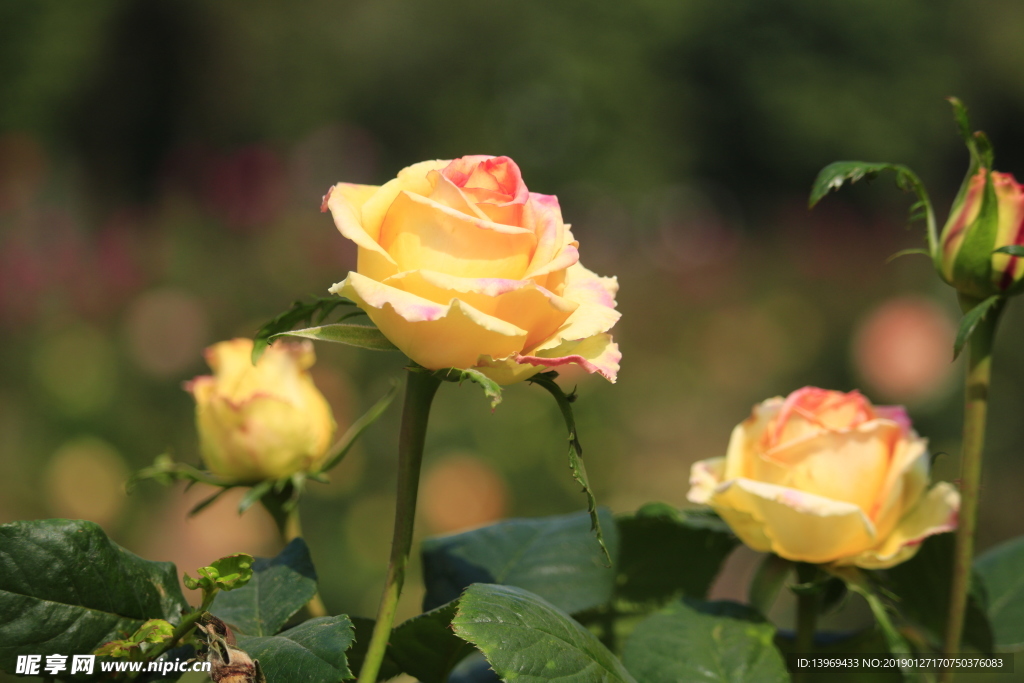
461,266
826,477
259,422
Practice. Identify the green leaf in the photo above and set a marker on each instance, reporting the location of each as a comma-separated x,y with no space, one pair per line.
348,439
152,631
1011,249
1001,571
970,322
308,313
363,336
921,587
165,470
907,252
836,174
67,588
576,466
225,574
665,552
556,558
976,141
312,652
527,639
426,648
492,389
253,495
704,641
279,587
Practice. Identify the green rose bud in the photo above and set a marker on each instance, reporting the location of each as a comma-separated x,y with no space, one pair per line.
988,215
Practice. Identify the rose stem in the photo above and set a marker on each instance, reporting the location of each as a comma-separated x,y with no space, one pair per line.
806,615
419,392
289,525
979,373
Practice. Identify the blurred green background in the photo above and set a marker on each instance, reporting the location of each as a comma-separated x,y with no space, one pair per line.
161,169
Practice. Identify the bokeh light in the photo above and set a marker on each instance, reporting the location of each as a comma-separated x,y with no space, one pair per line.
902,349
166,330
85,480
461,491
77,368
196,541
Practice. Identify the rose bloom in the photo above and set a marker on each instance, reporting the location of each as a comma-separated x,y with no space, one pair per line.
461,266
996,273
263,421
826,477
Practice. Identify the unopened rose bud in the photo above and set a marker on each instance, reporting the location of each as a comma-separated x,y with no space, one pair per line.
972,234
260,422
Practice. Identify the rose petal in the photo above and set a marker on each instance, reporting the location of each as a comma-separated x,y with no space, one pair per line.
589,319
263,437
800,526
281,368
1010,196
811,410
346,202
740,457
434,335
594,354
849,465
451,195
705,476
520,302
416,179
494,184
935,513
897,414
421,234
556,248
905,482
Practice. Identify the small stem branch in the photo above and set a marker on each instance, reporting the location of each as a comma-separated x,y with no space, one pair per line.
419,393
181,631
806,616
979,374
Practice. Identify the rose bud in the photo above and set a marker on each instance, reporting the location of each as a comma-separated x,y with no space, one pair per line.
827,478
260,422
461,266
967,243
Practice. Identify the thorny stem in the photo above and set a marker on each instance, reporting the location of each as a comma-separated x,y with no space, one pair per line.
419,393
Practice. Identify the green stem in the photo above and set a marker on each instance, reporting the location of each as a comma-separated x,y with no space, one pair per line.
979,374
806,615
289,525
419,393
181,631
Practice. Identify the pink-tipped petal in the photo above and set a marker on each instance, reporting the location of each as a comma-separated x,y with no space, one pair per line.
935,513
434,335
597,354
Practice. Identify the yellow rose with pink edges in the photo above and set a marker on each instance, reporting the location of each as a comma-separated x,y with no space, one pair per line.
263,421
828,478
460,265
